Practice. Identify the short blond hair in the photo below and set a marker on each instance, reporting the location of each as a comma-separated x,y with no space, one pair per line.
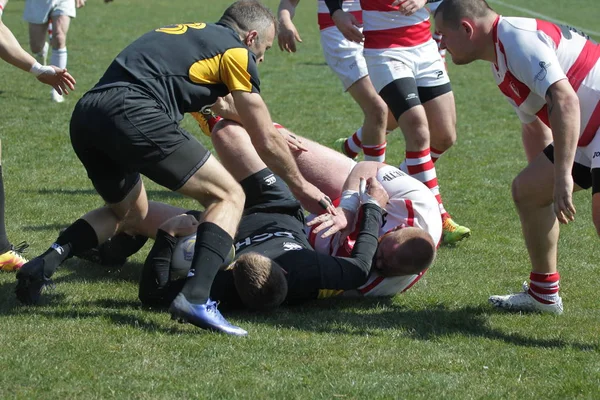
260,281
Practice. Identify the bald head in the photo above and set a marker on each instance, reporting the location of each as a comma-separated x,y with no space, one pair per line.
407,251
452,12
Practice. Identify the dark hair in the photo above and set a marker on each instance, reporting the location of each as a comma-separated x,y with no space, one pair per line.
260,282
414,252
246,15
453,11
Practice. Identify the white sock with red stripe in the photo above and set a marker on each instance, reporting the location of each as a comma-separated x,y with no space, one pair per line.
1,10
544,287
353,145
419,165
435,154
375,153
49,29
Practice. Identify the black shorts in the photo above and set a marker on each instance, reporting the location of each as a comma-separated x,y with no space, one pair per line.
120,132
582,175
400,96
268,193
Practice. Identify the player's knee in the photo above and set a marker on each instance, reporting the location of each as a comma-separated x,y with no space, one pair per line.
59,40
226,132
260,281
443,139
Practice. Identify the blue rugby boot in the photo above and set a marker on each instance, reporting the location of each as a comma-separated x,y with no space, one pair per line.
205,316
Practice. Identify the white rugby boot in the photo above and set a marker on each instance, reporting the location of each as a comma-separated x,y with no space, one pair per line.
523,301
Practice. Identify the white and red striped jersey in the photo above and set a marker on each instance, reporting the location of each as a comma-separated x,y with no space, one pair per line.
411,203
533,54
324,19
385,27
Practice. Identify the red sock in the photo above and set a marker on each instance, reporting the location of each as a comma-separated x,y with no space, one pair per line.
435,154
544,287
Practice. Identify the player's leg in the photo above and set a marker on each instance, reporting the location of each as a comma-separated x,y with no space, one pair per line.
535,136
435,93
374,126
11,258
60,27
323,167
37,42
533,192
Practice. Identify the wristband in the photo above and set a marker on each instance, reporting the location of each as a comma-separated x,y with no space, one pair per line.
333,6
38,69
349,200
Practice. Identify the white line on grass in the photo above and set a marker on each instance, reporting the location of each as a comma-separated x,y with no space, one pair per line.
542,16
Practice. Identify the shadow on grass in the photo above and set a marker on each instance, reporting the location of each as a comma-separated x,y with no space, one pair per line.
152,194
344,316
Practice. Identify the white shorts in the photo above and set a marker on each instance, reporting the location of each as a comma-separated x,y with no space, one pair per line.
38,11
344,57
422,63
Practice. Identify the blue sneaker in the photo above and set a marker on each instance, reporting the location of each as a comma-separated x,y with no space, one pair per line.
205,316
31,280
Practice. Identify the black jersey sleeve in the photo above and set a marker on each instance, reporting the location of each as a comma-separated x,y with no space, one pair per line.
156,289
333,5
327,275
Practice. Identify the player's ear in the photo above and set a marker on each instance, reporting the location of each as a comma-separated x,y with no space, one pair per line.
251,38
467,27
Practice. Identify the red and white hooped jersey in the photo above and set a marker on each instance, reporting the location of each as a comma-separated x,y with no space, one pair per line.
324,19
411,203
385,27
532,54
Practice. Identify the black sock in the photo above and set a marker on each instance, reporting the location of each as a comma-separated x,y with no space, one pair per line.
78,237
212,246
4,243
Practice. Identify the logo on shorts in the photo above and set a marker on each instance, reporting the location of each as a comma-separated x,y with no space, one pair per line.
352,66
270,180
287,246
439,74
411,96
540,76
596,154
514,88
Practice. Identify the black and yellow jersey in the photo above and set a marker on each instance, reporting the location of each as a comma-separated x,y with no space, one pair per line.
185,66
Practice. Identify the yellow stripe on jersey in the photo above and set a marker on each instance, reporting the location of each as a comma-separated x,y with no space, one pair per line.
326,293
206,71
234,70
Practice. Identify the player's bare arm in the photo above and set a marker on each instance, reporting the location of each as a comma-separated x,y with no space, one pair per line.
345,21
288,34
12,52
564,115
274,151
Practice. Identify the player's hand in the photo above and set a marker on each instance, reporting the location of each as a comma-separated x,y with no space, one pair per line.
371,191
288,36
294,142
563,199
180,225
409,7
313,200
58,78
333,223
80,3
348,25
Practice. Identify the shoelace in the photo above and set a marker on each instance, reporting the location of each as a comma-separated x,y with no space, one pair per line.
20,248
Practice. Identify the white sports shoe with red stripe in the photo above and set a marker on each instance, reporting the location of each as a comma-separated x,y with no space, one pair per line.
523,301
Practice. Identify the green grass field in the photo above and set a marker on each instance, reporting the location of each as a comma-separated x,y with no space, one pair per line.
91,339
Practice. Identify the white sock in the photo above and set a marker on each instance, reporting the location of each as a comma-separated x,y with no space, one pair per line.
59,57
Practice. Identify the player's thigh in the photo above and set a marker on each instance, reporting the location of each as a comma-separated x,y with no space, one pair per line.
343,57
212,183
235,149
325,168
266,192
